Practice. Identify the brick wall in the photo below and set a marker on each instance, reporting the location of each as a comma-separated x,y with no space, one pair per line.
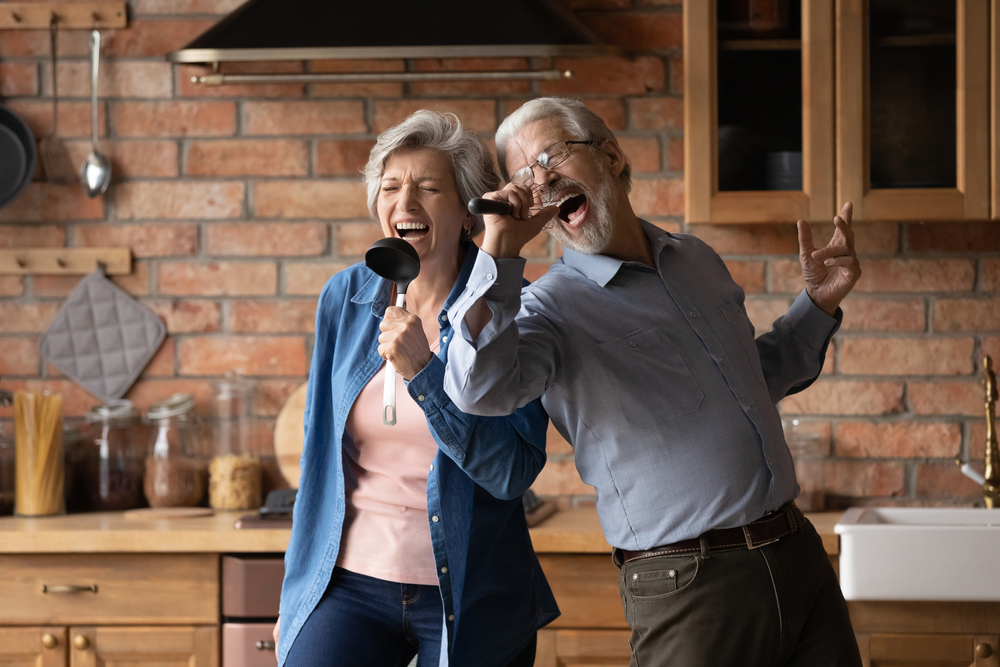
239,202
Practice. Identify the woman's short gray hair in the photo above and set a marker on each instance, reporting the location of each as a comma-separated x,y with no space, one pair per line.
471,163
579,121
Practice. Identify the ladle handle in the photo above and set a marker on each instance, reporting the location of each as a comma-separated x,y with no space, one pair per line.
95,59
480,206
389,389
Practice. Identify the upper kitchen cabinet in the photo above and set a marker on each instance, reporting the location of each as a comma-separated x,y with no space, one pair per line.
759,107
913,108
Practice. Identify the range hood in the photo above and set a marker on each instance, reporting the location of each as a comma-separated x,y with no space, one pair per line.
267,30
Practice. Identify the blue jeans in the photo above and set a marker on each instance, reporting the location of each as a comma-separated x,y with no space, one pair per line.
362,621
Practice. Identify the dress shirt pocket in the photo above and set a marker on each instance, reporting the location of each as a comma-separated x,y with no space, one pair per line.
653,382
739,326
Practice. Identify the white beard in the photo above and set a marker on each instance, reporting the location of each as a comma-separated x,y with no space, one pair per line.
595,236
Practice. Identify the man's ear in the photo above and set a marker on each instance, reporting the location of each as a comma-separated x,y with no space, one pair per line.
615,154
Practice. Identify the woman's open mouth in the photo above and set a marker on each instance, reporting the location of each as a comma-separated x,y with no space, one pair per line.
411,231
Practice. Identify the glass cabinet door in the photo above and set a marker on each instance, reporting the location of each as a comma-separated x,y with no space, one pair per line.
913,121
759,89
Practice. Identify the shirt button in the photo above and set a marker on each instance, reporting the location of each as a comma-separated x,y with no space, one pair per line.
432,466
444,317
768,461
631,344
435,519
444,570
451,617
444,339
489,276
421,398
693,314
722,361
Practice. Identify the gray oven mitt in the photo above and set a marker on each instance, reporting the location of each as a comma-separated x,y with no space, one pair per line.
102,338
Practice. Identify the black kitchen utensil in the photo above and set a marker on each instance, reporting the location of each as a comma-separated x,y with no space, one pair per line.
396,260
18,155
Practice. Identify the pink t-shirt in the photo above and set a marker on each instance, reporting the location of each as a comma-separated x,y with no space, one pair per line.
386,534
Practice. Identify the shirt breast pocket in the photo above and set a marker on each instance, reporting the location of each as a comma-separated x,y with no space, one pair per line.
652,380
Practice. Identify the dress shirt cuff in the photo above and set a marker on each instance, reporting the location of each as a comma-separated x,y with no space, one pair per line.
499,282
811,323
427,386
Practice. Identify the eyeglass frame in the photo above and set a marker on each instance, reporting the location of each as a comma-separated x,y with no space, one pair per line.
538,160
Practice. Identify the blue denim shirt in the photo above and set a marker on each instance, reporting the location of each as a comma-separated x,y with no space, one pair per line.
493,591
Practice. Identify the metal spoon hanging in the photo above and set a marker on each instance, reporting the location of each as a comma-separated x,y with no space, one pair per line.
95,173
396,260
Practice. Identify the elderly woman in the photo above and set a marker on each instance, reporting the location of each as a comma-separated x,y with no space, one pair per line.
411,539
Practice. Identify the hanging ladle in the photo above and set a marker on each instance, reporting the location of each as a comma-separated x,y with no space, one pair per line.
396,260
95,173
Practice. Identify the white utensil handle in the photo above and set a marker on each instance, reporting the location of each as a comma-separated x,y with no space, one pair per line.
389,389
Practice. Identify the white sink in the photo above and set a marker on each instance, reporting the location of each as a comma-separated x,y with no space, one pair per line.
912,553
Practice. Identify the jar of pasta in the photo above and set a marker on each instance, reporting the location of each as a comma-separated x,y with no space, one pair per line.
234,473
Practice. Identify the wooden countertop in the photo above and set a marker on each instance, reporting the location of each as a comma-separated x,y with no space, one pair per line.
570,531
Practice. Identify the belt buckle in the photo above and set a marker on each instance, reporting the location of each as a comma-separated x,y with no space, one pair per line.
750,545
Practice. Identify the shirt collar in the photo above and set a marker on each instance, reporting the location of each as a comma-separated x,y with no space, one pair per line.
601,268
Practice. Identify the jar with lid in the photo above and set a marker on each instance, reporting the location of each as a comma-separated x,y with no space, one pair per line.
810,450
105,471
234,475
175,472
6,469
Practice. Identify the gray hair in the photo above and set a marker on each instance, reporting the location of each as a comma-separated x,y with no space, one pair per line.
471,163
579,121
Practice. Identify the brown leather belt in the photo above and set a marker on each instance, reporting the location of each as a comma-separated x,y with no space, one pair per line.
767,530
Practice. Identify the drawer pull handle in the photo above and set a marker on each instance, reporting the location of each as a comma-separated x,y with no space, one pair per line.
81,642
68,589
50,640
265,645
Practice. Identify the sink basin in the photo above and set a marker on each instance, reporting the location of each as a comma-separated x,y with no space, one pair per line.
914,553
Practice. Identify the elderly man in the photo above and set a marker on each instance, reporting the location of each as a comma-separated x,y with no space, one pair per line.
638,343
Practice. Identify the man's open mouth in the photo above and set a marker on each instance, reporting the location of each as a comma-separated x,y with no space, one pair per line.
569,207
412,230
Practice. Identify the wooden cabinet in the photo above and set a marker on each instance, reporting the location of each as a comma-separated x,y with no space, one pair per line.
574,648
46,646
37,646
889,104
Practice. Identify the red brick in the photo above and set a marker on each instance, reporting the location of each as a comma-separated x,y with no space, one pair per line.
298,316
179,200
643,153
658,197
990,346
906,356
977,439
145,240
188,315
535,270
323,200
176,118
555,443
898,440
478,115
354,239
280,239
675,154
677,75
763,312
607,76
44,202
869,237
19,356
219,7
952,397
188,88
135,283
248,158
217,278
991,274
151,39
272,394
638,31
303,117
162,363
471,88
18,79
74,117
362,89
346,157
748,274
76,401
656,113
254,355
131,159
308,278
25,43
559,477
748,239
611,111
953,237
826,397
26,317
916,275
118,78
32,236
11,285
967,314
864,478
945,480
883,315
145,392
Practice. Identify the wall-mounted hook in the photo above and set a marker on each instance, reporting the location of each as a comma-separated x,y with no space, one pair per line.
95,19
16,17
21,263
61,262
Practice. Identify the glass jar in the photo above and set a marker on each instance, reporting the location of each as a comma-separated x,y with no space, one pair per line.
175,473
234,473
108,475
6,470
809,452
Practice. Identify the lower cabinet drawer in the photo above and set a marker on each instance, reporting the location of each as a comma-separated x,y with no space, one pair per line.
248,645
109,588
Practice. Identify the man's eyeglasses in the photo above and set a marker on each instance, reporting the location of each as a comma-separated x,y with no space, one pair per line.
550,158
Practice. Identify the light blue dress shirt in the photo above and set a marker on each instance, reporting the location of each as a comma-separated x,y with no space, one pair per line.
653,375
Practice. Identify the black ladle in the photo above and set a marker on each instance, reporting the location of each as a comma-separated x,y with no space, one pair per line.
396,260
480,206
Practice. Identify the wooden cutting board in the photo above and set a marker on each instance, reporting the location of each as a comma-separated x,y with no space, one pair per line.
288,435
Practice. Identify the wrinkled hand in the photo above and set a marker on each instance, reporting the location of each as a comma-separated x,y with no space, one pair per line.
507,234
830,272
403,343
274,633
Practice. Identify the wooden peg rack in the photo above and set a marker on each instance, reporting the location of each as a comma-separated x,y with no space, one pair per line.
68,16
65,261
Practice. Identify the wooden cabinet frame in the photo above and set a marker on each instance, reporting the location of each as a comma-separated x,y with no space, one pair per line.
995,106
703,201
971,198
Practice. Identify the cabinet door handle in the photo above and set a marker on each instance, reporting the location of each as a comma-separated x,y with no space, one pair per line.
50,640
984,650
81,642
68,589
265,645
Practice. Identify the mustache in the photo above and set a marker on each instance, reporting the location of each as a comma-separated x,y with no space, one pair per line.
546,194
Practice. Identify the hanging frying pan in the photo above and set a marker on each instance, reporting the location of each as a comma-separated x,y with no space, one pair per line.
17,155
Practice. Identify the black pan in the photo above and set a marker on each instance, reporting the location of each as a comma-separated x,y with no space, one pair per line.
17,155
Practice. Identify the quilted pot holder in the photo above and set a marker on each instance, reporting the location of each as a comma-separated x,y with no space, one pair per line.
102,338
